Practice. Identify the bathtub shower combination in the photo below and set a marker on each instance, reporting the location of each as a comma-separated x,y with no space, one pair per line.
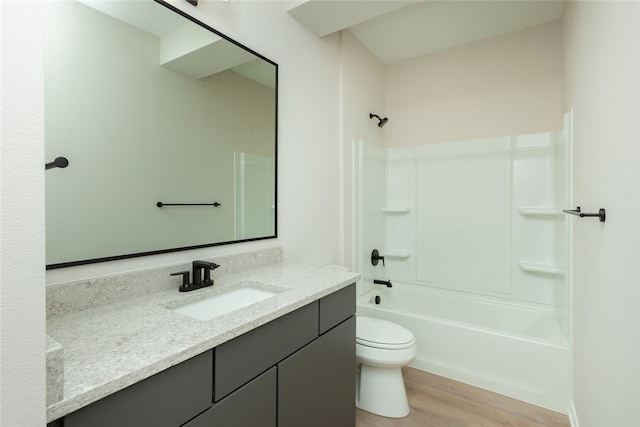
475,245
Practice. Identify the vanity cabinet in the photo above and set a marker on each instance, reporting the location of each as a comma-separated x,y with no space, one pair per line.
316,385
297,370
170,398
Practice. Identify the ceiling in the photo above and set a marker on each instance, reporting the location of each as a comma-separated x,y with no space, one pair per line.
393,30
396,30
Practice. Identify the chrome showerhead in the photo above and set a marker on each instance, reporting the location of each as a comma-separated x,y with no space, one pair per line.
381,121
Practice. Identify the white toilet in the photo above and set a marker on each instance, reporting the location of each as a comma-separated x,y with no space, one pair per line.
382,348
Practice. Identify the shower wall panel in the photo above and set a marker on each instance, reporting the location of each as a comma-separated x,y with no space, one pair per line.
536,266
479,217
370,182
463,216
399,213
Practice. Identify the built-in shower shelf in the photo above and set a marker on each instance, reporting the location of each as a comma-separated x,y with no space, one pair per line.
396,210
536,267
396,254
548,212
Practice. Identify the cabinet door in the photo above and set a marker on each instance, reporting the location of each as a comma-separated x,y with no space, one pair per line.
316,385
169,398
252,405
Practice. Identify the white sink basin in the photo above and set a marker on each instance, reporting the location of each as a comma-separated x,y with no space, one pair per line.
223,303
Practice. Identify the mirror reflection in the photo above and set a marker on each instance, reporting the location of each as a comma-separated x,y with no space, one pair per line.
149,106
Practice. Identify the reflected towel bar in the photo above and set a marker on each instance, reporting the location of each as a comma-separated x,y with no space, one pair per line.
602,214
161,204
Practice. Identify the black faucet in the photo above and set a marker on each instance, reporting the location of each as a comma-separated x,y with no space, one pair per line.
387,283
198,281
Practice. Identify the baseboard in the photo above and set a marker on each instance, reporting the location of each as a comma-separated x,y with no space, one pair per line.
573,416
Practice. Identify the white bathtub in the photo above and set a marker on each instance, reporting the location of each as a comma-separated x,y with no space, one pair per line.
511,349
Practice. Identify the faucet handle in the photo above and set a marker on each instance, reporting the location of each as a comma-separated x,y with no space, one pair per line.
185,280
375,257
207,267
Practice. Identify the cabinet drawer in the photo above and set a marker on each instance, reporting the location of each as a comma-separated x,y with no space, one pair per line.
253,404
337,307
169,398
243,358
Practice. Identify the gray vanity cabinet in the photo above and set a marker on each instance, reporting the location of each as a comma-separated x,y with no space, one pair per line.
297,370
169,398
316,385
313,349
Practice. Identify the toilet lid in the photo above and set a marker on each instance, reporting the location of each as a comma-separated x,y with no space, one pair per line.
382,334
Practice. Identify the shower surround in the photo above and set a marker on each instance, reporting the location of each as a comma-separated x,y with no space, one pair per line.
475,243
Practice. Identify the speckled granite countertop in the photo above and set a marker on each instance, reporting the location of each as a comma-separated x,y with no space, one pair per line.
112,346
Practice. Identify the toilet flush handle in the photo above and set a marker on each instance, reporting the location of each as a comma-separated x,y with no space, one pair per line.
375,257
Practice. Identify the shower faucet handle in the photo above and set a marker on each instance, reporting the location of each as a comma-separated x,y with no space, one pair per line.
375,257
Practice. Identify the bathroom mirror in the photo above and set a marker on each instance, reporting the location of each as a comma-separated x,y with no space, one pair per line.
153,108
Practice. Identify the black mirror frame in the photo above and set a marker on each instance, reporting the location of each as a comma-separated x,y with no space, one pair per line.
206,245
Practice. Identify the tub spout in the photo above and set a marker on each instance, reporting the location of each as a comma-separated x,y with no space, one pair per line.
387,283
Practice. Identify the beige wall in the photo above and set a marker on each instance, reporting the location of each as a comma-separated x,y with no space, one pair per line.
602,86
507,85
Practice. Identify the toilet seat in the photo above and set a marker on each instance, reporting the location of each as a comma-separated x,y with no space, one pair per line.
378,333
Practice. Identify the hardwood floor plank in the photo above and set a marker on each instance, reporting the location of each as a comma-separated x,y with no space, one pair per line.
491,402
440,402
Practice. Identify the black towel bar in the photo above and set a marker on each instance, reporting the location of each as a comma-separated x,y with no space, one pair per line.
161,204
602,214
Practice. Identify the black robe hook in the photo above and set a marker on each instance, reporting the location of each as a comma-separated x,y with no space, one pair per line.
59,162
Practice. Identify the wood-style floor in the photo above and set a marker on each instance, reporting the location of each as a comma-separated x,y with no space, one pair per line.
440,402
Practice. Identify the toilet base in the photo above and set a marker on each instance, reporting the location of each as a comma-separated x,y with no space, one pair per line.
382,392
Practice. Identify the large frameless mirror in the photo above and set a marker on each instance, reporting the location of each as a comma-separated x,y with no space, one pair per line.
169,128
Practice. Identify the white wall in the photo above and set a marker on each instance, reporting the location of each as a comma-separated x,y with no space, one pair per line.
308,135
506,85
362,84
308,131
602,85
309,186
22,310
